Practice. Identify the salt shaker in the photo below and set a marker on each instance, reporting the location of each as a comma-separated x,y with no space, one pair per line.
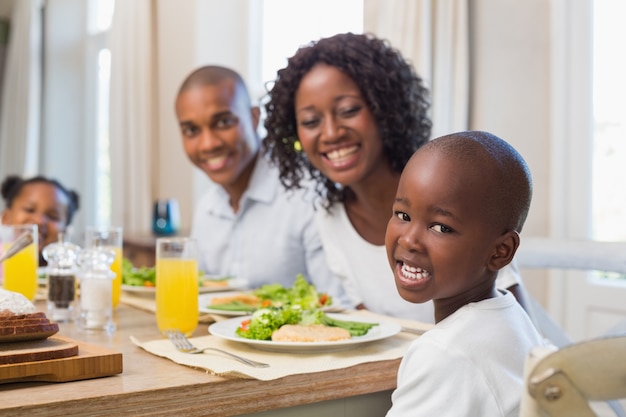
96,286
61,277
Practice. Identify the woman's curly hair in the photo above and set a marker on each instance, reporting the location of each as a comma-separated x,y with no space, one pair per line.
393,91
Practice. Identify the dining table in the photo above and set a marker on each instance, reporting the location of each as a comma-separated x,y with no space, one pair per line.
154,385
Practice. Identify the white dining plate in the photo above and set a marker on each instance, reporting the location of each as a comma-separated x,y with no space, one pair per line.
225,329
233,284
204,304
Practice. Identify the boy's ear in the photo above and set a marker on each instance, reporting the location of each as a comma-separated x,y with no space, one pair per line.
505,249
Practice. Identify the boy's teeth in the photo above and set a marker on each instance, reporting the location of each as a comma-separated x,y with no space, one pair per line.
413,272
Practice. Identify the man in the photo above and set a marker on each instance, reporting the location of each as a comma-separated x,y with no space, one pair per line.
247,225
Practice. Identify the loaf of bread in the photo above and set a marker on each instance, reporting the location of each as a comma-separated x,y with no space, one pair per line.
12,302
20,321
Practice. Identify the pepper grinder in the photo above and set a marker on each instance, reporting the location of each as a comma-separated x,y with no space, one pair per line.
96,286
61,274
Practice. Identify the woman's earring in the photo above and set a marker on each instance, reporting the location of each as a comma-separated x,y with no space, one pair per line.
293,141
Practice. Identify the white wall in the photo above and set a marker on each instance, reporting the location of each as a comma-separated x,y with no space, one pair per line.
6,8
511,95
66,154
190,34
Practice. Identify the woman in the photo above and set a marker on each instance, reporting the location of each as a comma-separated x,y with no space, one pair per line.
348,111
41,201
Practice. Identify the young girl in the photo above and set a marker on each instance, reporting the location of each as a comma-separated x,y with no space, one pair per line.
41,201
461,203
358,111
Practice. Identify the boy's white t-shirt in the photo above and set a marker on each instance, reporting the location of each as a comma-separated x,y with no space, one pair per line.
469,364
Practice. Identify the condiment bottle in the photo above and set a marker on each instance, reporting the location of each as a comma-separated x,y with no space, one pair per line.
96,286
61,277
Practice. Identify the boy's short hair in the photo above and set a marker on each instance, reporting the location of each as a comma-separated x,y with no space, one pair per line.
510,199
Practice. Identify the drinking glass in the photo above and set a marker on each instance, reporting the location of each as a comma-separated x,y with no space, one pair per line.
177,284
96,277
108,238
20,270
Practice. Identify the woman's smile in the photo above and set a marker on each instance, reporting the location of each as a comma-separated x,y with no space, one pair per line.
342,158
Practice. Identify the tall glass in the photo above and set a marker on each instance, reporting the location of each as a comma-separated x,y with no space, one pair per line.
110,238
177,284
20,270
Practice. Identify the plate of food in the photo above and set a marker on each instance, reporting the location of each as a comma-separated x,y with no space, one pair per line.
206,284
230,303
240,303
143,281
292,339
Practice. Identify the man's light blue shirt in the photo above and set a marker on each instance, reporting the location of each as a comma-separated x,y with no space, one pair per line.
271,239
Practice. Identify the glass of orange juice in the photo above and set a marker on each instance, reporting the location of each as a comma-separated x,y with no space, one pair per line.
177,284
20,271
110,238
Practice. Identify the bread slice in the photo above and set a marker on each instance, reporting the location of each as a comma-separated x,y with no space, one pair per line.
6,317
23,329
29,326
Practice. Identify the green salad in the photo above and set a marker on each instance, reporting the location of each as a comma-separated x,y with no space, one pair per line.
267,320
300,304
301,294
138,277
145,276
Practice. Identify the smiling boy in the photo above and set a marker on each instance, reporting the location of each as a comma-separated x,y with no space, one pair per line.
460,205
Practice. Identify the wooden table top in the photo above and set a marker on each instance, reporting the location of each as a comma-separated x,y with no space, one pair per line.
158,386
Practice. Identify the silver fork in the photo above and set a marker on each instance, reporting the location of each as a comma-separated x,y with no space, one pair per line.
183,344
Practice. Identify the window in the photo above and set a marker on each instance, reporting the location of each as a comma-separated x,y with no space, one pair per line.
609,147
283,34
100,13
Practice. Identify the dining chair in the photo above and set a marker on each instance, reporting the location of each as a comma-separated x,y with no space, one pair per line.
563,379
549,253
566,381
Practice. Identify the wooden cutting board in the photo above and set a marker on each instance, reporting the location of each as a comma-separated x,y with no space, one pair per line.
91,361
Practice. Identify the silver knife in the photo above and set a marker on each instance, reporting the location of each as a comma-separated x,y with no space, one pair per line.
20,243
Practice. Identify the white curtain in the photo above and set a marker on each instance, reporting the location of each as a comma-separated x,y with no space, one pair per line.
133,108
434,36
20,117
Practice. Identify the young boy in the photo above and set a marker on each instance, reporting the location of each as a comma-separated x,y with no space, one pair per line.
246,224
458,212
